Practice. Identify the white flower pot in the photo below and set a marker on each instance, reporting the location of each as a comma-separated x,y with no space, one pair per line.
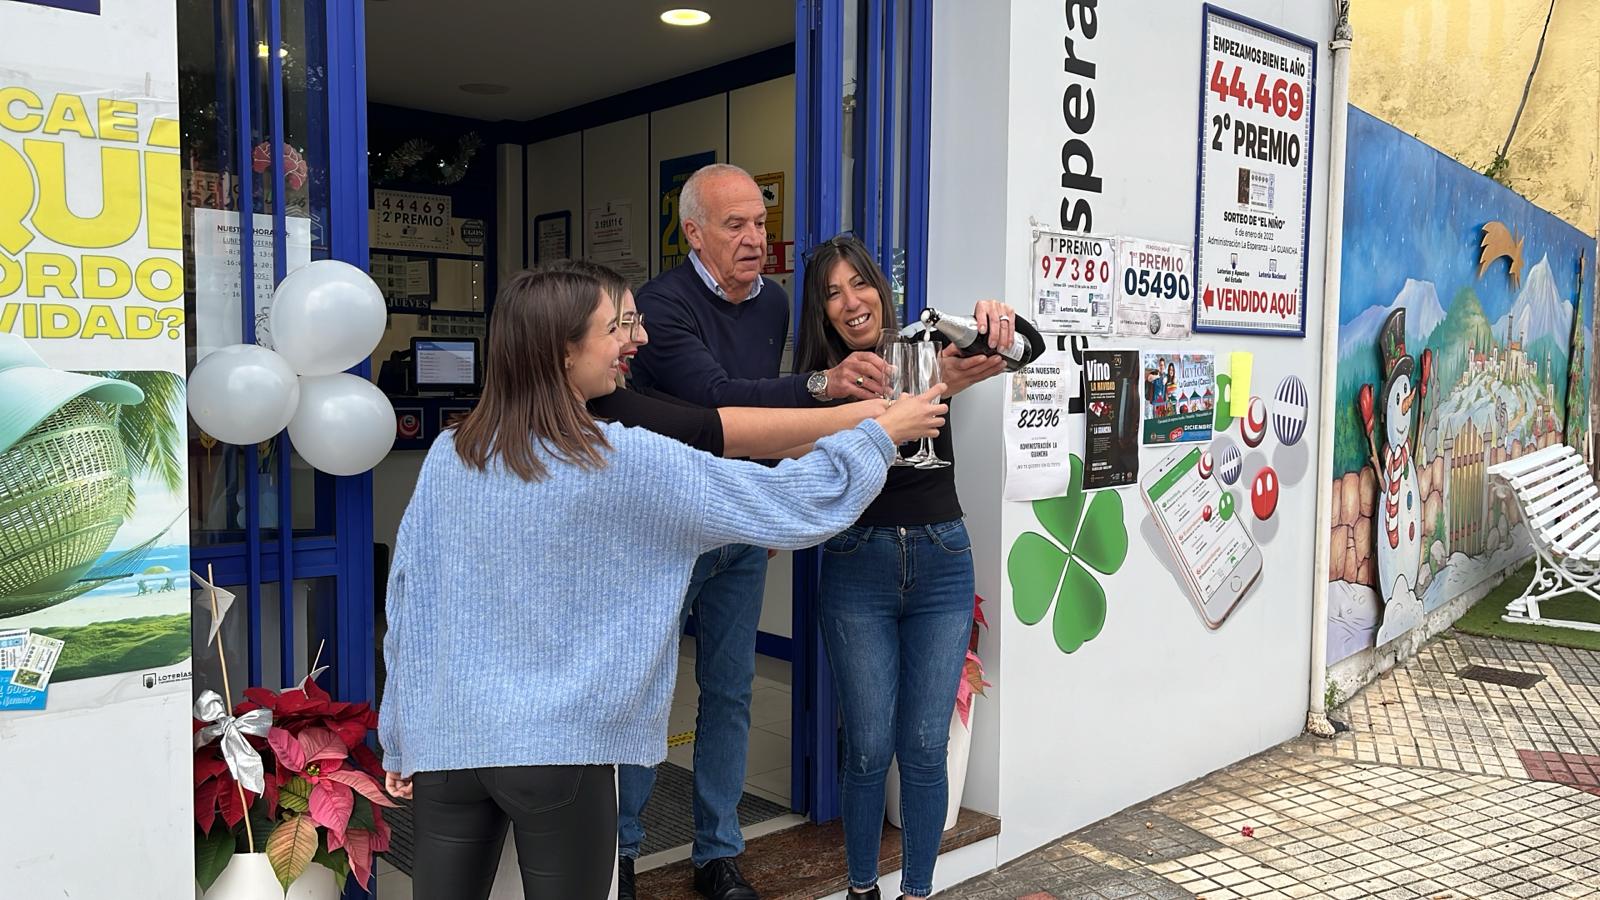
955,770
249,876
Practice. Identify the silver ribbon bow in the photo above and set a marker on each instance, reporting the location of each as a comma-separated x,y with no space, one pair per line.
244,763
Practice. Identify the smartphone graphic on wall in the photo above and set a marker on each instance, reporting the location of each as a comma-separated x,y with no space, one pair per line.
1205,533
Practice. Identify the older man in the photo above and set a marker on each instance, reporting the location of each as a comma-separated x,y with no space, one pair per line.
717,331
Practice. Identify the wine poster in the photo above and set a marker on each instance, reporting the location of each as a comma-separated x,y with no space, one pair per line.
1111,406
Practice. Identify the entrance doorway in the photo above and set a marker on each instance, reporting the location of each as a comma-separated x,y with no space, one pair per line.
504,136
446,146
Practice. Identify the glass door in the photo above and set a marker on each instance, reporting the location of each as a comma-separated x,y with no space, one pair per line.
272,113
862,70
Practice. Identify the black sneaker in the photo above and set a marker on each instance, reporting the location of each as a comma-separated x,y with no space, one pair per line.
625,878
872,894
720,880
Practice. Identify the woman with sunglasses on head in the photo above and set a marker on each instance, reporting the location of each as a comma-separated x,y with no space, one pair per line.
896,594
534,596
737,432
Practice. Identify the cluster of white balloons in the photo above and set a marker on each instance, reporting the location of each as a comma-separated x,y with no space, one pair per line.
326,317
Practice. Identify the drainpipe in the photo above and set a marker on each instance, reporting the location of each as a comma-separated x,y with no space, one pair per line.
1317,714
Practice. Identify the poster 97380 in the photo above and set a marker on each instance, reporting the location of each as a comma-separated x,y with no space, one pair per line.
1257,89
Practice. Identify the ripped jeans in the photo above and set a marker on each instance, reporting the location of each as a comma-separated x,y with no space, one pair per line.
896,613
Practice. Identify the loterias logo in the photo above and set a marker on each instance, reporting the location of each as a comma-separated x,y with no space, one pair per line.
92,7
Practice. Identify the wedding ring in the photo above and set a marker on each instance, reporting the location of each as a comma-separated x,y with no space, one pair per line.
860,380
1005,318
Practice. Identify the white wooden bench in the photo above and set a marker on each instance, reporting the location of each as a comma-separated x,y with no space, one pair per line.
1560,504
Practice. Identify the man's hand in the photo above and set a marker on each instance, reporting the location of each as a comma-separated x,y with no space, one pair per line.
861,376
961,372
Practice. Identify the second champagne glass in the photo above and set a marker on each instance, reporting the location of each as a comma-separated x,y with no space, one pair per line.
926,372
897,356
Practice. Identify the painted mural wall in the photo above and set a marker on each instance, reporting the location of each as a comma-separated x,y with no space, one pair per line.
1457,336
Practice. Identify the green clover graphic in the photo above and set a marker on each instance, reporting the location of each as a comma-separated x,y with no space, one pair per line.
1063,570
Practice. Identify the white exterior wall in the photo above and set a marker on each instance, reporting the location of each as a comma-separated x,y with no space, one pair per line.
1156,699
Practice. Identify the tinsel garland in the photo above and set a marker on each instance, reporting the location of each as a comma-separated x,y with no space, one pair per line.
416,160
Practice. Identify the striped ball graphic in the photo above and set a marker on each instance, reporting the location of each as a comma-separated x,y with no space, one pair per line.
1230,462
1290,404
1206,464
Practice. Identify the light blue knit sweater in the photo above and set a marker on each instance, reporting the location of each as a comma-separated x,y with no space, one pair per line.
537,623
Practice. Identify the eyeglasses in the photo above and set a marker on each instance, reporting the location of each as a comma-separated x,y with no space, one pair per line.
631,323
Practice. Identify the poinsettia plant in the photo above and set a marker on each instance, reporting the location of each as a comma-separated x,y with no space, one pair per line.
972,683
321,797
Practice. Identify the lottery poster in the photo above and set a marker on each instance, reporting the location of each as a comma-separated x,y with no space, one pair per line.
1180,393
1111,407
1252,220
1155,289
1072,282
1044,409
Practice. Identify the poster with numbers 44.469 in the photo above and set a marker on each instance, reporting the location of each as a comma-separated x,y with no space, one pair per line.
1251,224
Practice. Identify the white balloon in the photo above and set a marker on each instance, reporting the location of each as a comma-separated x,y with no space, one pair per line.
326,317
344,426
243,394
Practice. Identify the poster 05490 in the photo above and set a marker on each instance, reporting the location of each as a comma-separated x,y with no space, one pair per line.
1257,105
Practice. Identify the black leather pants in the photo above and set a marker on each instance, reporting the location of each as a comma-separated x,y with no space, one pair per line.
563,818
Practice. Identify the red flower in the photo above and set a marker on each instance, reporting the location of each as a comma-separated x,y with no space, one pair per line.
317,763
1247,831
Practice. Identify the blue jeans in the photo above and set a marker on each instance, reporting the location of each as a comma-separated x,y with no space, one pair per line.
896,615
725,594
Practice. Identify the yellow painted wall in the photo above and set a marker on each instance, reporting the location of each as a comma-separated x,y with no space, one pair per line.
1451,72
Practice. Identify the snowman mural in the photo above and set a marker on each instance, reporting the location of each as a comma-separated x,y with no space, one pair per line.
1399,507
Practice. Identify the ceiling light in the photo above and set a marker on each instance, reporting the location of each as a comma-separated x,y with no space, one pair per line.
484,87
686,17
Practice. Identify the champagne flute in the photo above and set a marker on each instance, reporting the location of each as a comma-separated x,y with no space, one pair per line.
926,372
897,356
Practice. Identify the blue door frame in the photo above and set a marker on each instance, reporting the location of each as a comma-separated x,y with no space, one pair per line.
820,36
342,550
339,119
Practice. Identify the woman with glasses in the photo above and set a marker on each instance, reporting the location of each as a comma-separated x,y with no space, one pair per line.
896,592
533,601
733,431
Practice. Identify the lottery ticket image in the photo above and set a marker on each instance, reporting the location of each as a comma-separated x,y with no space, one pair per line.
39,657
12,641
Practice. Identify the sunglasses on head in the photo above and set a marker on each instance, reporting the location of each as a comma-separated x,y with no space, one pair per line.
838,241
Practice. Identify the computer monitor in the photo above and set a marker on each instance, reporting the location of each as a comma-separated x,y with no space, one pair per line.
445,364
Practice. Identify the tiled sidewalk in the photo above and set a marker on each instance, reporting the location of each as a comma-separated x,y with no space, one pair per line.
1446,788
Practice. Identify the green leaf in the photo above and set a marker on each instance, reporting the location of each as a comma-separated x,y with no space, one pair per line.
336,861
291,847
1103,541
1060,515
1080,610
361,815
1034,567
211,855
260,827
295,794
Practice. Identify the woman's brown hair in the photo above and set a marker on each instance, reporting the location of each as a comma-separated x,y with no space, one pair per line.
527,399
611,281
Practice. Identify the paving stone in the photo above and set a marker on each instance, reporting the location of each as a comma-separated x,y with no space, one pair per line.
1445,788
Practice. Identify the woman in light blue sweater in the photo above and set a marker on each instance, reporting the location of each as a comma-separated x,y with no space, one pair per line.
534,595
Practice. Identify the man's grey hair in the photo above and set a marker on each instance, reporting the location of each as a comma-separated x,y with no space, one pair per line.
690,208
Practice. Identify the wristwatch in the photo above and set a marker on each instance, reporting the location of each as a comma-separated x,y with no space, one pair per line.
817,384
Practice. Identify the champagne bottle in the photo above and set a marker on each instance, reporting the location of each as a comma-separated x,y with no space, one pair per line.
962,332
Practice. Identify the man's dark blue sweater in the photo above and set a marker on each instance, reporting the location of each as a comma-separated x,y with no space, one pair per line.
708,351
